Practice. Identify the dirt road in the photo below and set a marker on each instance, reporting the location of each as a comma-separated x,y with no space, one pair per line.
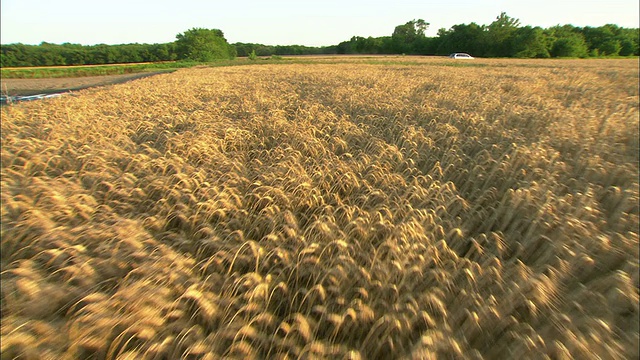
24,87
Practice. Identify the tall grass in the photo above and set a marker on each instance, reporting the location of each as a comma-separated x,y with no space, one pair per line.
327,211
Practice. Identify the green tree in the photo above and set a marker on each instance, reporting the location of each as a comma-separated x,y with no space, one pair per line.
406,38
49,54
74,54
264,50
17,55
568,44
567,41
463,38
603,40
629,42
160,52
610,47
243,49
362,45
203,45
500,33
530,42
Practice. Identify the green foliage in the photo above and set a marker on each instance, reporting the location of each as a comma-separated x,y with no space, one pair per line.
361,45
504,37
500,34
629,42
253,56
570,46
528,42
409,37
203,45
245,49
461,38
628,47
567,41
607,40
45,54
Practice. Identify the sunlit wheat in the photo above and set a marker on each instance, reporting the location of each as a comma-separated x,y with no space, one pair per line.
354,210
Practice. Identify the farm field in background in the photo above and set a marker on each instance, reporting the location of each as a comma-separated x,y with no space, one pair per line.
371,208
41,72
79,71
26,87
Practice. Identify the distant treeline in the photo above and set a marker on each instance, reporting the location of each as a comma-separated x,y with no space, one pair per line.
245,49
504,37
47,54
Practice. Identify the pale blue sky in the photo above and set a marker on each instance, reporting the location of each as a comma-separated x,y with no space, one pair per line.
280,22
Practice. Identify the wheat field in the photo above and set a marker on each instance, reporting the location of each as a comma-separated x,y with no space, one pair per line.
401,209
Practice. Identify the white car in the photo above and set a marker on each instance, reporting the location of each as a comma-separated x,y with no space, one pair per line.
460,56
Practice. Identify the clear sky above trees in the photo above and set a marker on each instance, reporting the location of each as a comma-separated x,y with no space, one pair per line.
504,37
282,22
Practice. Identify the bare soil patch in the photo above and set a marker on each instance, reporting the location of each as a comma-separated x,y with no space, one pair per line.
26,87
